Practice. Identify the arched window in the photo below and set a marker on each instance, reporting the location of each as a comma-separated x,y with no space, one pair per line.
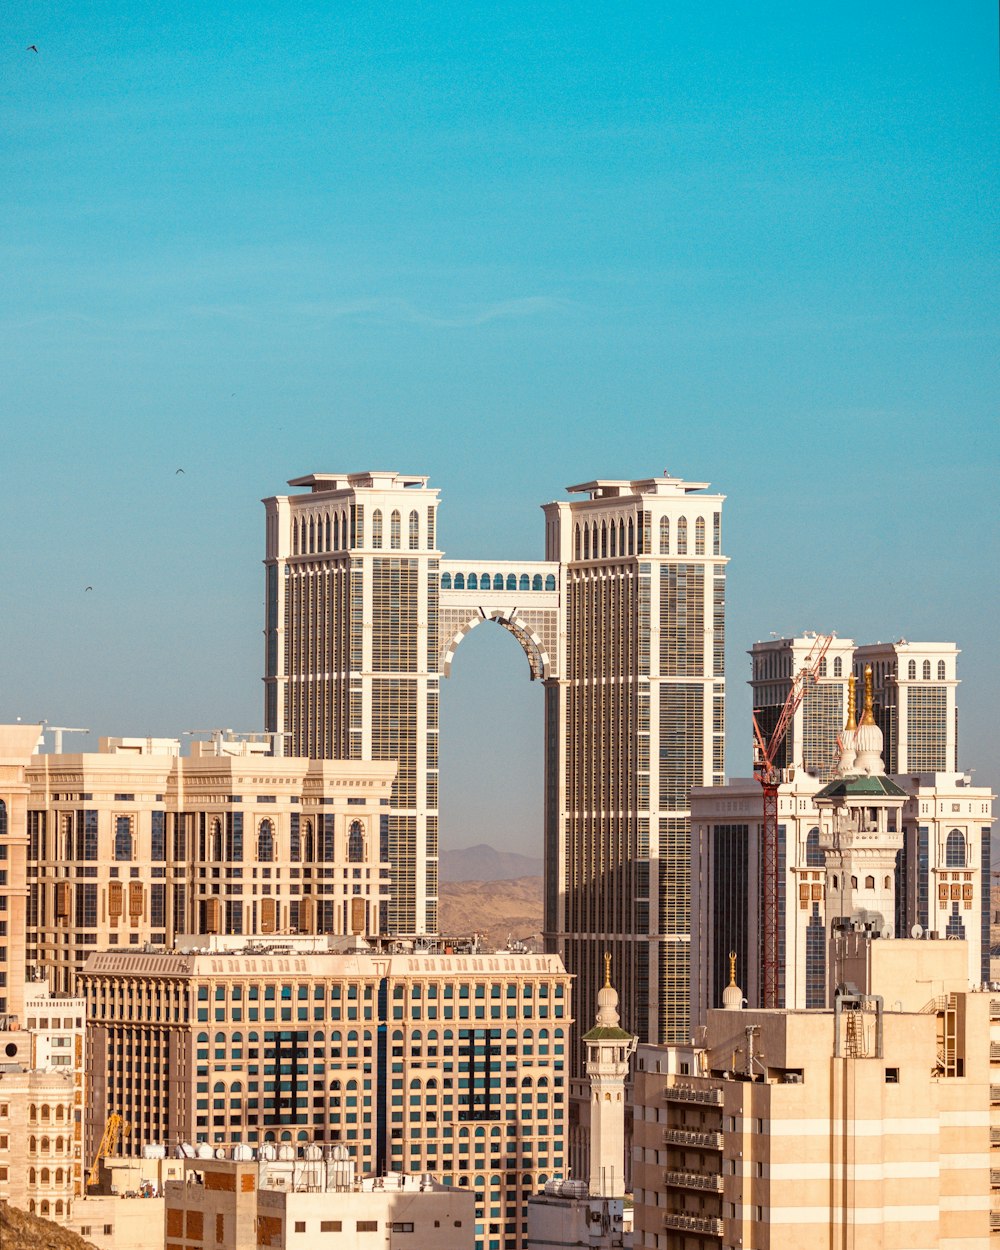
216,843
586,542
614,539
265,842
523,582
550,581
512,581
3,819
536,582
576,543
484,581
838,666
888,883
394,530
312,534
329,532
682,536
472,582
911,670
308,843
621,537
377,528
699,536
336,531
940,670
631,536
814,856
123,838
869,883
459,581
854,883
604,540
446,581
954,849
414,531
822,667
356,843
664,535
927,670
498,581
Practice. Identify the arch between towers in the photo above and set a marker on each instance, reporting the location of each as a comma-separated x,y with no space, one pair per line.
510,619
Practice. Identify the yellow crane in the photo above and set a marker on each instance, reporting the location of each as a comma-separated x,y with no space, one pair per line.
115,1128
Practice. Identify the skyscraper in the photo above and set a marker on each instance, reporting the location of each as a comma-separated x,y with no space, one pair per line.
915,687
623,622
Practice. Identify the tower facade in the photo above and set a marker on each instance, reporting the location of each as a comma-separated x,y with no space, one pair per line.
914,689
624,624
609,1049
811,740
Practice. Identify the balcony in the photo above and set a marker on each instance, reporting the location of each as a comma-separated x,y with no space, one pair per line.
692,1137
695,1180
994,1178
994,1052
995,1136
995,1093
691,1093
995,1008
995,1221
682,1222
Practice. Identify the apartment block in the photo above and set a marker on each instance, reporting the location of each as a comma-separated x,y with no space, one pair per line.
136,843
451,1065
868,1125
915,691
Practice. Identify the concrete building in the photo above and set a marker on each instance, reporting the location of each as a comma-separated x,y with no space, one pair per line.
624,624
914,704
868,1125
452,1065
592,1212
42,1090
17,742
810,743
135,844
126,1209
939,862
291,1203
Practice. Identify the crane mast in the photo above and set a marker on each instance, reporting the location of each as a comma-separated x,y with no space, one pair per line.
766,772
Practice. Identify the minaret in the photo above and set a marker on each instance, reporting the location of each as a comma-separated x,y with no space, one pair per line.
609,1049
861,829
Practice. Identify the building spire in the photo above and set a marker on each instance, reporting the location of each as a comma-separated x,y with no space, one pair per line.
732,995
852,703
607,970
732,967
868,715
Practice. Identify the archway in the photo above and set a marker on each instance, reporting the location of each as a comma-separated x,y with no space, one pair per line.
491,758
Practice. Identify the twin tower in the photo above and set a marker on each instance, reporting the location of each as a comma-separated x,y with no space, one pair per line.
623,623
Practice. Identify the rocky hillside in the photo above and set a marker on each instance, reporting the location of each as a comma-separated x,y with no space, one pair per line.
21,1231
498,909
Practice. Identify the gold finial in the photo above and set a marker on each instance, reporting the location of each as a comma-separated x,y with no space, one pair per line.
732,967
607,970
867,716
852,703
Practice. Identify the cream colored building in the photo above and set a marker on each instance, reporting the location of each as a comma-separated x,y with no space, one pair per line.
310,1202
17,743
452,1065
126,1209
134,844
871,1125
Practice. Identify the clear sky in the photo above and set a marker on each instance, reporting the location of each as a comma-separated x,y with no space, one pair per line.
512,246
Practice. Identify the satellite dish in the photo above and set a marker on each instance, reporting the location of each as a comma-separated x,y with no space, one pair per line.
917,931
886,932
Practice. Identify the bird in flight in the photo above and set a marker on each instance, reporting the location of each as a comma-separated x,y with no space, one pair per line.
178,471
31,48
86,588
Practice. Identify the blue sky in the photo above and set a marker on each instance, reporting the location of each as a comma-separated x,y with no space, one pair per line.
512,247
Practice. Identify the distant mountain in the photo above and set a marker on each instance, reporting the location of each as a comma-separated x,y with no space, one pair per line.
486,863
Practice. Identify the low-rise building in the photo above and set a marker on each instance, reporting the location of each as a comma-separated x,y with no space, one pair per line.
283,1199
125,1209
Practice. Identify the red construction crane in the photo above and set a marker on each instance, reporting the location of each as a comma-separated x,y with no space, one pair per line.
764,769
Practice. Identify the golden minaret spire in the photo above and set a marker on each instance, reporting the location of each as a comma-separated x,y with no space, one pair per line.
852,703
732,967
868,716
607,970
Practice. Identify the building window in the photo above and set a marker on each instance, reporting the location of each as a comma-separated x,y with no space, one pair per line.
394,530
665,536
414,531
377,528
123,838
892,1076
927,670
265,842
682,536
3,819
940,670
954,850
356,843
911,670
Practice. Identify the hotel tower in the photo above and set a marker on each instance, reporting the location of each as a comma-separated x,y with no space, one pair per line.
623,623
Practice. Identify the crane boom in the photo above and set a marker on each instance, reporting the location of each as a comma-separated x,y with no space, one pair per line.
766,772
114,1127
